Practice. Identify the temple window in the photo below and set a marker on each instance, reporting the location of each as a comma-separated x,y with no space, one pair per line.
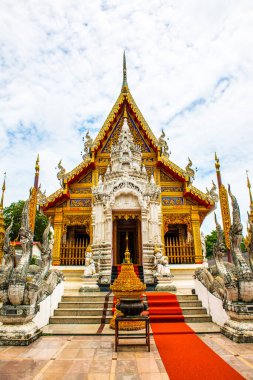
178,247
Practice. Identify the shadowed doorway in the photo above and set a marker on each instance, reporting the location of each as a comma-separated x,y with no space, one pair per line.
121,227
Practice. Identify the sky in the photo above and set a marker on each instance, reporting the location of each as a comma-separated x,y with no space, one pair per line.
190,71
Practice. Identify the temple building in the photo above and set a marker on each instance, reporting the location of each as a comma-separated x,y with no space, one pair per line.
126,185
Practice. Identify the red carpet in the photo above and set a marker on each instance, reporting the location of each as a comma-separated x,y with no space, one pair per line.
184,355
164,307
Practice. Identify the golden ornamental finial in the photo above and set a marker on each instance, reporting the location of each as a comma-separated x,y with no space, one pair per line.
217,162
3,191
124,84
249,187
127,253
37,166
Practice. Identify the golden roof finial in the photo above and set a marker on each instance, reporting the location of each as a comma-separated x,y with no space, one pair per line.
124,84
37,166
127,253
3,191
249,187
217,162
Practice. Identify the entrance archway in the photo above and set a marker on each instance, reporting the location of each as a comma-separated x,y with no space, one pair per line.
121,227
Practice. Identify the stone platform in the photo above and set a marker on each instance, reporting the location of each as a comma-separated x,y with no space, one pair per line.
93,358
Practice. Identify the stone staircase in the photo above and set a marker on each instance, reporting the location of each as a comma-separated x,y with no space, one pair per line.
90,308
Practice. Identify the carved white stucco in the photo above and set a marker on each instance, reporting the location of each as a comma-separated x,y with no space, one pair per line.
126,187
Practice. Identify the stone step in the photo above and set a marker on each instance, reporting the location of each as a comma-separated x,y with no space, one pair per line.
99,311
190,303
83,305
86,298
78,320
185,297
194,310
199,318
82,312
98,304
100,297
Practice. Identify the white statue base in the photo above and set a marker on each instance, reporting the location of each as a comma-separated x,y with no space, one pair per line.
165,284
19,335
90,285
238,331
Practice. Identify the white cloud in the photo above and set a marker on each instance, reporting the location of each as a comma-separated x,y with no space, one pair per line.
61,68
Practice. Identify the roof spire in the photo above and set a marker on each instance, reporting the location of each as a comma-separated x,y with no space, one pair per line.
217,162
249,187
3,190
124,84
37,171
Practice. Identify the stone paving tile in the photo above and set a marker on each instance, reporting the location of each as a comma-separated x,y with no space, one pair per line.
126,366
98,376
102,353
147,365
130,376
21,369
100,366
84,344
93,357
72,353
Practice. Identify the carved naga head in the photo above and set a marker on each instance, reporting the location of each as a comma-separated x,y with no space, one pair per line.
24,231
219,247
236,227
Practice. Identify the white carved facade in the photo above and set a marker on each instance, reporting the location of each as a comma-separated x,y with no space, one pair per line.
126,188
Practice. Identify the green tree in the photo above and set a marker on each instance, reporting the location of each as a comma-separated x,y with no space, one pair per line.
15,211
210,239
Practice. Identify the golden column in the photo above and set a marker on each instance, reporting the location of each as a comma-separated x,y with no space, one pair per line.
250,198
195,221
250,214
224,205
58,227
33,197
2,227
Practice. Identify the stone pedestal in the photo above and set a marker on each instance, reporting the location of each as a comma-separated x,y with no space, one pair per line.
89,285
19,335
165,284
239,332
239,327
18,328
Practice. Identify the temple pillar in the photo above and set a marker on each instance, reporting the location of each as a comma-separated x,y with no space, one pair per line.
144,225
195,220
58,221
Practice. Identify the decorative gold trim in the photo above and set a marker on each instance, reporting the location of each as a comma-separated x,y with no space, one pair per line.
225,213
176,219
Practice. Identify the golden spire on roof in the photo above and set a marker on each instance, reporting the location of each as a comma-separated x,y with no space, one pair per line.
217,162
249,187
124,84
3,190
37,166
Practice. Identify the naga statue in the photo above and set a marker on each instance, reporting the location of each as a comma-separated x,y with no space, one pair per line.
232,282
41,196
24,285
212,194
164,145
250,243
61,174
190,172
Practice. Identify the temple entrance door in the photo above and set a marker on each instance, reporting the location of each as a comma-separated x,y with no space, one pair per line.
120,228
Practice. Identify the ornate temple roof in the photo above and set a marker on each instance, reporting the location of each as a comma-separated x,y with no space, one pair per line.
123,102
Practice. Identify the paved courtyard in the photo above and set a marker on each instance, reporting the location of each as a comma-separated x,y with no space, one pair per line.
93,358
